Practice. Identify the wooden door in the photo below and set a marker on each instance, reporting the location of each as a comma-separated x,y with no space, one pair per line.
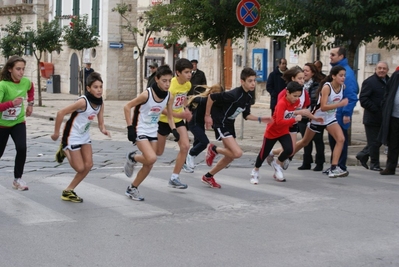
228,65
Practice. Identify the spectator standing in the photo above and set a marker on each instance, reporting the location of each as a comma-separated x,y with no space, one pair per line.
319,66
197,78
85,73
275,83
14,88
390,124
371,96
151,78
344,113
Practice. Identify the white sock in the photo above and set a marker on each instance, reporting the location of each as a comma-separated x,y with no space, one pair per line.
174,176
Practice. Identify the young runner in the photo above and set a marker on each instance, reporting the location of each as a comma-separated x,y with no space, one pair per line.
14,88
221,112
284,117
179,87
76,141
197,106
330,98
142,128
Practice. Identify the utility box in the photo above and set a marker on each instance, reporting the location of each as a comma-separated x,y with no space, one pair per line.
49,86
54,84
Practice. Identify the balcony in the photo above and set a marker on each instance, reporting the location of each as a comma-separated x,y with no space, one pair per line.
16,7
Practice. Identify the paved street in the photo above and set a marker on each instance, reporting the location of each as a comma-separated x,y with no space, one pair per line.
310,220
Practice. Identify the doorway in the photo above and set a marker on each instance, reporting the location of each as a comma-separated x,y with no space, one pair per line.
278,52
74,75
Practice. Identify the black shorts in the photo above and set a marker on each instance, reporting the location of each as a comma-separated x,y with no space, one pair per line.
294,128
319,128
164,128
146,137
224,132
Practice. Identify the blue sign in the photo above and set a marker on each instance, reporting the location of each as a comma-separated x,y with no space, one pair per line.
115,45
259,63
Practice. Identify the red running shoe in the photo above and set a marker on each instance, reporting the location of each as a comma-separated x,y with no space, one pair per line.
210,181
210,155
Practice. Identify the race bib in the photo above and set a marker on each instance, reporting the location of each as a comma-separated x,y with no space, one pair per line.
236,113
179,101
153,115
11,114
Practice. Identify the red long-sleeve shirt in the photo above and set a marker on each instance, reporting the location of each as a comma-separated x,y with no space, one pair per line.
283,118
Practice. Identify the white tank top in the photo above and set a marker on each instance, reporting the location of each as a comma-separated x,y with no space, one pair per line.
76,131
302,100
329,115
146,115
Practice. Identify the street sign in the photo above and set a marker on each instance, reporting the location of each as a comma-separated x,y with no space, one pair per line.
248,12
115,45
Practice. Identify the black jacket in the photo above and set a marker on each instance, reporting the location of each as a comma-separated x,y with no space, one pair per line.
371,96
387,106
151,79
228,105
198,78
275,84
198,108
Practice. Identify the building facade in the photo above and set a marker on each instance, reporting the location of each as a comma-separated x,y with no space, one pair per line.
114,57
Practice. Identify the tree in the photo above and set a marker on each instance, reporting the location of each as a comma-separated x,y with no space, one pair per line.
79,36
14,41
210,22
146,27
348,22
47,37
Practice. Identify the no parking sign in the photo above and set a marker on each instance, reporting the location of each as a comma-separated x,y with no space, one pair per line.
248,12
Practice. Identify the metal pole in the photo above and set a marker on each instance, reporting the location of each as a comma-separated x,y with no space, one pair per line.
244,65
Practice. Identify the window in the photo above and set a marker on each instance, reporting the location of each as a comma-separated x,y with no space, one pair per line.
58,8
75,8
95,16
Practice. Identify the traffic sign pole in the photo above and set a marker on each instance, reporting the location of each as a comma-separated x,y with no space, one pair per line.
248,14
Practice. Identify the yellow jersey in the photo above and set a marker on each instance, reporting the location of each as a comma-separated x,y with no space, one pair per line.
179,93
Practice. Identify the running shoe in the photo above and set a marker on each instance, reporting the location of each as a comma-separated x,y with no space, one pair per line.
327,171
60,154
337,172
269,159
210,155
129,164
186,168
133,193
175,183
20,184
278,172
70,195
210,181
254,177
190,161
286,163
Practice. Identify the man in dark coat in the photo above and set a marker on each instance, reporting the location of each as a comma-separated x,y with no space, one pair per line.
151,78
390,124
371,96
275,83
197,78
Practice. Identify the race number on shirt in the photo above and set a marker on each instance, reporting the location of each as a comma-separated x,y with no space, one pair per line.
11,114
179,101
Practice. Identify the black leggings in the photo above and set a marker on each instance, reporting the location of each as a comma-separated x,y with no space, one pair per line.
267,146
18,135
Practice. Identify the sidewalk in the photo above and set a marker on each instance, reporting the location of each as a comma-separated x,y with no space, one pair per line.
252,133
